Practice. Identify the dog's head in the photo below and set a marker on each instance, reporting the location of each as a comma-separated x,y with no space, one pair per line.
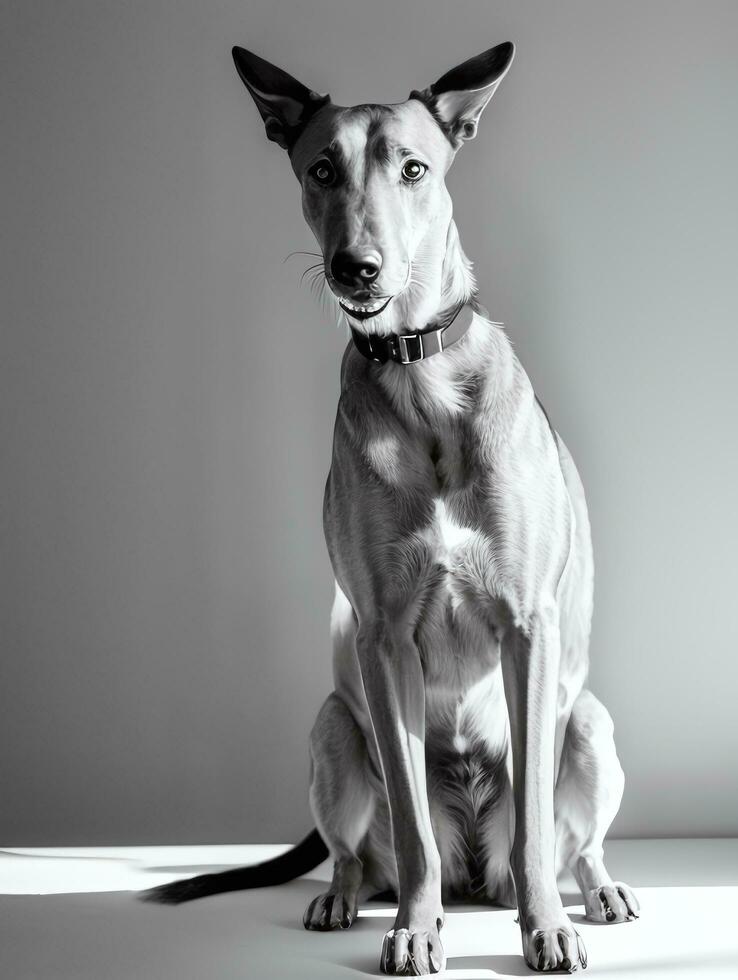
373,181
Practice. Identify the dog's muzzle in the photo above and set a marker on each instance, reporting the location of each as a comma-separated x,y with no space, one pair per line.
365,312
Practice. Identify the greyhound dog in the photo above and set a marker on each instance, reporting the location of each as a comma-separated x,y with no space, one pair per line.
460,755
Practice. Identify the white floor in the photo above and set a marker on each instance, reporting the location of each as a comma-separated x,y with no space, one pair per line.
69,914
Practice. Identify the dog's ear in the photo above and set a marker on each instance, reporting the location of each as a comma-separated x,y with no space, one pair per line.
286,105
458,98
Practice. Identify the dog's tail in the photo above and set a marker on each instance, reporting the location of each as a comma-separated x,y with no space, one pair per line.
297,861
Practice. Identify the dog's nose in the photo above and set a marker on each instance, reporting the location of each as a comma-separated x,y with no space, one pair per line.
356,267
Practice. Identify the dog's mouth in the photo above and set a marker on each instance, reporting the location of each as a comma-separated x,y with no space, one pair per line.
367,310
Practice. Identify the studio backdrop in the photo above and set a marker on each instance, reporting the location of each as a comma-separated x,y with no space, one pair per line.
169,387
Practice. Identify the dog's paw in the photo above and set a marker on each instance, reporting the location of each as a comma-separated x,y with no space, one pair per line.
611,904
330,911
407,953
554,948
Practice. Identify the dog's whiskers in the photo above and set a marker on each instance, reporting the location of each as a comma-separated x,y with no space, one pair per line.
316,255
314,269
318,283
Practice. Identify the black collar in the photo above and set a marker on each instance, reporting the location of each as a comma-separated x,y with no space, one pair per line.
407,348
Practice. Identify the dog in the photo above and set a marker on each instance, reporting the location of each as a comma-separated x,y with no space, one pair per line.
460,754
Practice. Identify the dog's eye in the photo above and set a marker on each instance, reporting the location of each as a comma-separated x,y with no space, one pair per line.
322,172
412,171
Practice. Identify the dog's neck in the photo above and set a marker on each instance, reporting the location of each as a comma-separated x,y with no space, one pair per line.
457,278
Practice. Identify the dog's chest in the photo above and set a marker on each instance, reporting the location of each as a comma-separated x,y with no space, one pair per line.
454,531
455,631
455,637
456,528
454,544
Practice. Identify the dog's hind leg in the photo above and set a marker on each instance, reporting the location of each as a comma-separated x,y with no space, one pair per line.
342,802
588,793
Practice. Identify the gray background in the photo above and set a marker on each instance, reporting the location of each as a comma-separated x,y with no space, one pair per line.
168,389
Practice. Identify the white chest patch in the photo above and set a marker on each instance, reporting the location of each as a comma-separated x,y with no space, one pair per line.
452,535
452,544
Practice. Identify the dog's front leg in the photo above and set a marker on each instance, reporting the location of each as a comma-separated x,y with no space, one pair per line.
395,692
530,667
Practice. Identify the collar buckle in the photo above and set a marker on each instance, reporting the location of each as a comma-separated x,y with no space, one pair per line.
411,348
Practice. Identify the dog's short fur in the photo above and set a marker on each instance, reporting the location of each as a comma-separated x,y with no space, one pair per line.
460,753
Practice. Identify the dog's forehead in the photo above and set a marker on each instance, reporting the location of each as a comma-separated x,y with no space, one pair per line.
373,131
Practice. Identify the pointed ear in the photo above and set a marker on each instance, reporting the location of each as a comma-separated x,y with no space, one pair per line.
458,97
286,105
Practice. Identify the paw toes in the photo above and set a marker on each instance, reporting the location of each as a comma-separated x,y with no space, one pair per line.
341,914
324,919
628,898
328,912
569,952
557,949
611,904
410,954
418,954
308,916
582,951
